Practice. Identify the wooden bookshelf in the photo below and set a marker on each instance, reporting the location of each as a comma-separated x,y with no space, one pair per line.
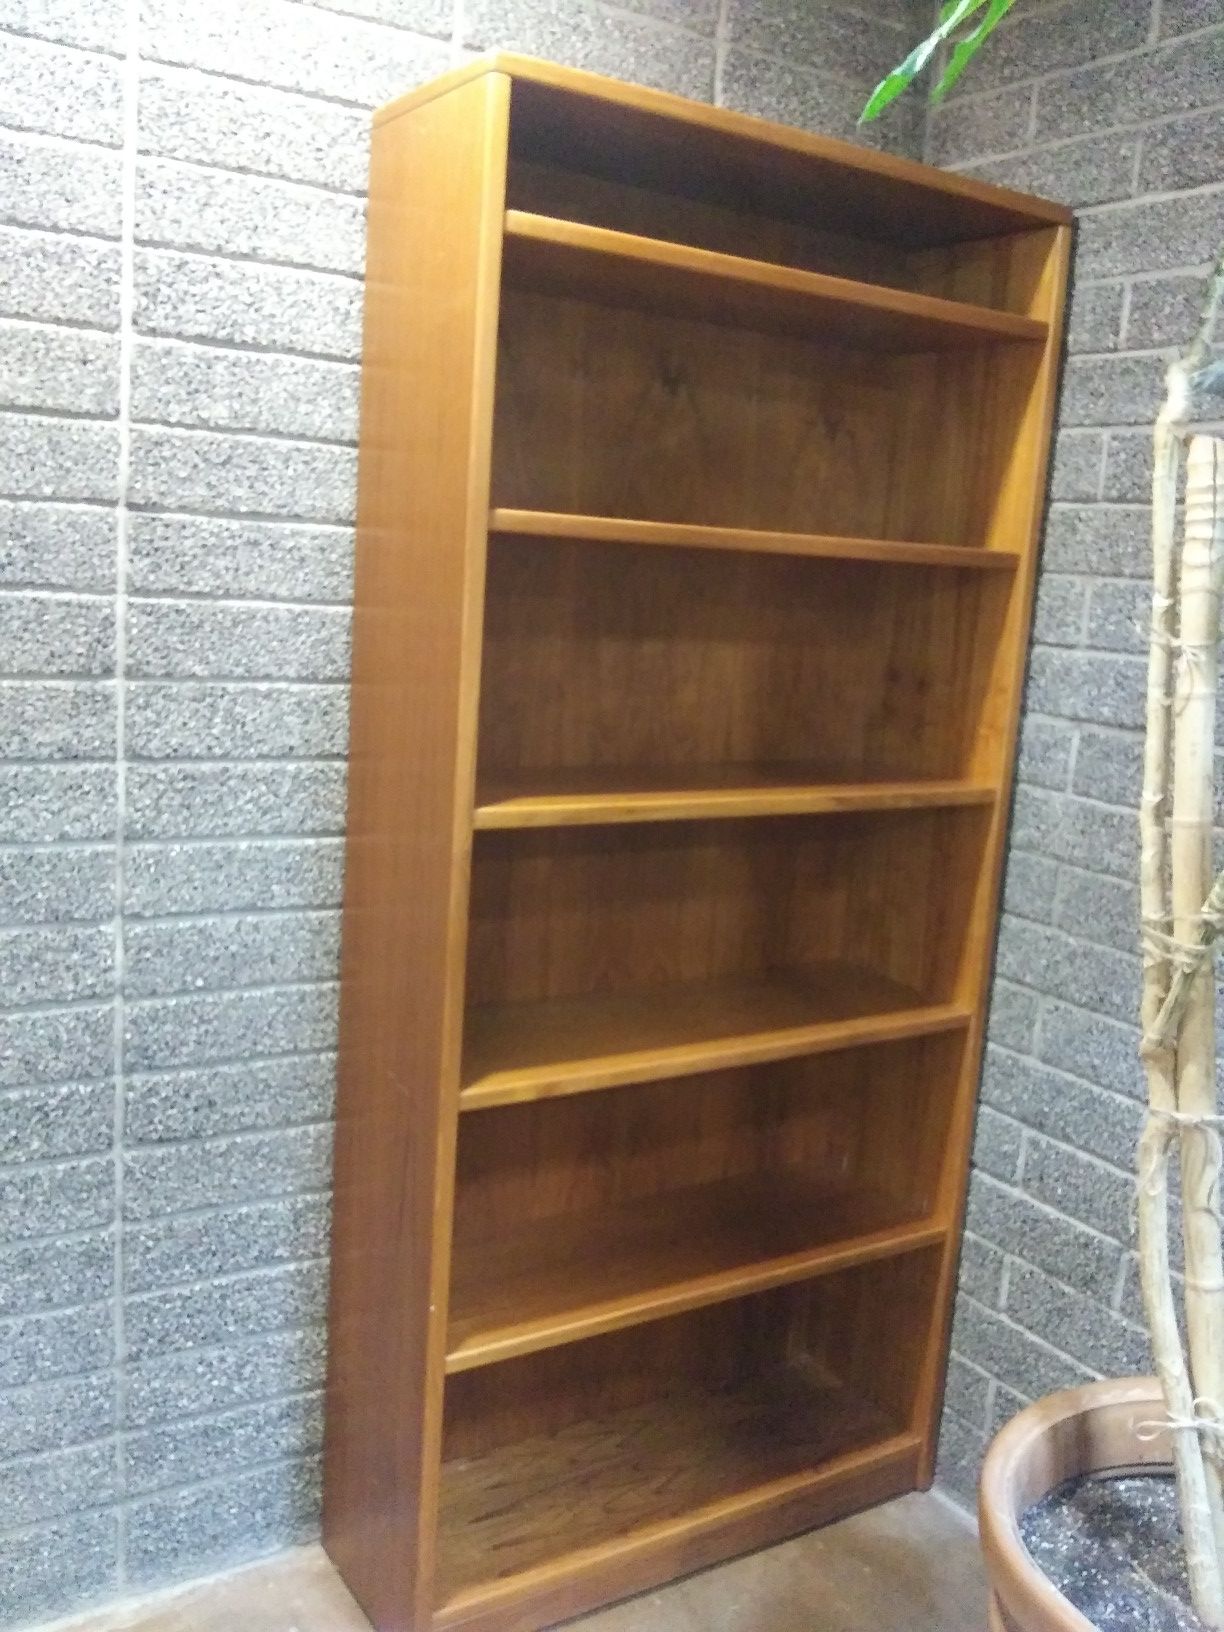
701,478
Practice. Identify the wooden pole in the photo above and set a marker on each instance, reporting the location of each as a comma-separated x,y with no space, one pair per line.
1202,571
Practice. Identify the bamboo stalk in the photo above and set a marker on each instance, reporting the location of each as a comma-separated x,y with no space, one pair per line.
1202,1552
1202,571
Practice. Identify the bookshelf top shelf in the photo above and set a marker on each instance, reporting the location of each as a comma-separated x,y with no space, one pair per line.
653,138
624,269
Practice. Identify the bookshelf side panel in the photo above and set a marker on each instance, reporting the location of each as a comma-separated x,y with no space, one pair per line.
436,206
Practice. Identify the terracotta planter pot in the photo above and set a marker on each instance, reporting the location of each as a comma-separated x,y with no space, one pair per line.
1080,1431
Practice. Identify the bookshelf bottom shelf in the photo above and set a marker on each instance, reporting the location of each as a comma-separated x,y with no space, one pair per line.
561,1504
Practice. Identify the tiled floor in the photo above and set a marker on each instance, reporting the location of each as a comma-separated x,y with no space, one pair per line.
911,1566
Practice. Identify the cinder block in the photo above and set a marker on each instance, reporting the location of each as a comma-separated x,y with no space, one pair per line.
1096,687
60,1567
43,1487
56,965
791,94
1042,40
1019,1360
1029,887
585,35
59,279
1112,542
46,802
54,1045
1046,749
222,1311
1157,236
1098,837
218,720
166,1032
1080,1186
1012,1020
996,1144
1109,767
970,126
1092,977
60,92
1058,618
1079,459
55,1200
63,459
56,546
36,1275
1092,1119
1181,153
1101,1051
299,47
222,212
56,634
968,1392
202,297
186,1453
1119,616
46,1124
36,1348
244,475
1086,1329
230,1098
39,886
202,1246
54,1416
1174,78
50,720
981,1270
217,801
45,183
252,128
212,388
191,1532
272,560
173,878
1104,910
168,1179
1075,173
960,1459
227,952
1016,1223
196,1381
1094,322
192,639
95,24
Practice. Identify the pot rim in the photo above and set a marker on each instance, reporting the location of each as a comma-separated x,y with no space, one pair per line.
1025,1446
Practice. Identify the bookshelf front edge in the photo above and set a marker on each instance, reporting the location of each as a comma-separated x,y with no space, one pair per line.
437,201
1016,523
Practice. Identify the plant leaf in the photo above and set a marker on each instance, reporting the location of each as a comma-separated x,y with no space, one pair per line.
952,14
966,49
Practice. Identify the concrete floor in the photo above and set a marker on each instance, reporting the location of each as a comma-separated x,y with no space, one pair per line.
910,1566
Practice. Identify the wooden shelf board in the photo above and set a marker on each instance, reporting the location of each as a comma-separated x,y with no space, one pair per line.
620,268
564,1279
522,1051
681,535
570,798
562,1502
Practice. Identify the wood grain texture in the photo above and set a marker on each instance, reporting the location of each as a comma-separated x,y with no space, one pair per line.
622,530
651,274
687,670
423,500
647,1440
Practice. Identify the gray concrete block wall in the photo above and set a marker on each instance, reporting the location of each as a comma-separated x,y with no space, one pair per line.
1118,109
181,243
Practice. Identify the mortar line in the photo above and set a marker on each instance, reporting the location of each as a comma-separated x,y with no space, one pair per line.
127,302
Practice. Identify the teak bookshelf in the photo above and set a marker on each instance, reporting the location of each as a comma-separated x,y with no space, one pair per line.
702,466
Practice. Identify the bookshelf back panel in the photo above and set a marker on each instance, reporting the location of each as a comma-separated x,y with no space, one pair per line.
611,411
610,655
861,1120
694,172
570,912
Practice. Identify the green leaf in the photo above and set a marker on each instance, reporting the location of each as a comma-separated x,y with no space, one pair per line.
952,14
966,49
